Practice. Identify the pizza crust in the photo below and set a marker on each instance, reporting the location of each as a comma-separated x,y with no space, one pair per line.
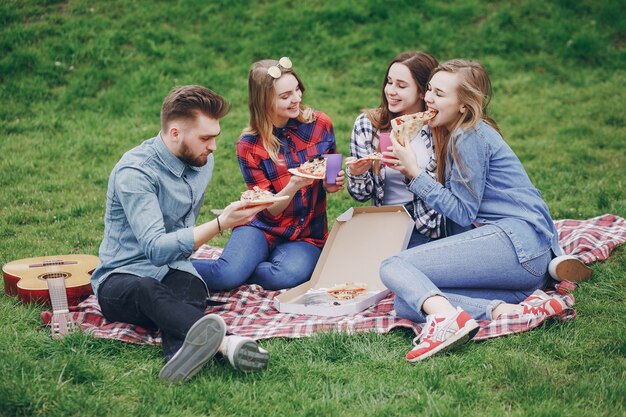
257,196
376,156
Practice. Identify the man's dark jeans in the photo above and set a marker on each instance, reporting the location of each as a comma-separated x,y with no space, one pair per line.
172,305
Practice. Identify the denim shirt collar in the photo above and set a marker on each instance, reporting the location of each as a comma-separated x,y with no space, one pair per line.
171,161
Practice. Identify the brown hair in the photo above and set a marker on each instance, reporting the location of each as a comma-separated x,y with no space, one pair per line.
420,64
184,102
262,104
474,91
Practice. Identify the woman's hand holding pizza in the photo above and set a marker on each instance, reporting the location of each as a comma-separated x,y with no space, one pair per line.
402,159
296,182
358,166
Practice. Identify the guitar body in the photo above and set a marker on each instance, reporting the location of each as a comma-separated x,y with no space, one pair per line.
26,278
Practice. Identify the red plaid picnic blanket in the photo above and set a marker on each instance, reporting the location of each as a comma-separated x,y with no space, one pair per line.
249,310
593,239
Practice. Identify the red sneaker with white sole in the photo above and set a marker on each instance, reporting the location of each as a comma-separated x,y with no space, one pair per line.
440,334
541,304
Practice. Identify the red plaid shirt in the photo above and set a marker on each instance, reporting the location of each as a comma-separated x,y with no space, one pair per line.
305,216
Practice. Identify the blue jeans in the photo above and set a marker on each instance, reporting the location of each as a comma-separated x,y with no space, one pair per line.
448,228
417,239
172,305
247,258
476,270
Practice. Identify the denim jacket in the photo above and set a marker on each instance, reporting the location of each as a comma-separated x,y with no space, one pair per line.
152,202
491,187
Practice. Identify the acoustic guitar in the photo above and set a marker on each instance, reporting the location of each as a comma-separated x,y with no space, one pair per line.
27,278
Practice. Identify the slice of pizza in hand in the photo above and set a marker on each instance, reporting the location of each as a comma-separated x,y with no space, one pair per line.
374,156
406,127
313,168
257,196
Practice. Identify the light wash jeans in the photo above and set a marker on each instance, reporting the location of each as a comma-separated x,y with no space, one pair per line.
247,258
476,270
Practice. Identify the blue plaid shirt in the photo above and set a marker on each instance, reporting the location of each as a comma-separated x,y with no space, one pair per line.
371,185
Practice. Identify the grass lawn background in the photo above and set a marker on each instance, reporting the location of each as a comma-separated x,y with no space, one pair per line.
82,82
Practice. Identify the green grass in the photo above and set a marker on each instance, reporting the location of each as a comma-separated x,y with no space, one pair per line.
82,82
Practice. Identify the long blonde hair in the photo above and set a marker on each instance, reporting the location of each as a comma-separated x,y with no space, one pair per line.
262,104
474,91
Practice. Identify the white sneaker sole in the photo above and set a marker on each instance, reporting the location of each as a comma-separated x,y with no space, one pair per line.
249,357
200,345
463,336
569,268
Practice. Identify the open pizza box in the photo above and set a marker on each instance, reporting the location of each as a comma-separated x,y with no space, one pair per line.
359,240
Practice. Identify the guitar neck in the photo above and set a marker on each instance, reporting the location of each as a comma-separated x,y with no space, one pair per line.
58,296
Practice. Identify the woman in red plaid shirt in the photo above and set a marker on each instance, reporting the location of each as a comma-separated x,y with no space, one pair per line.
280,247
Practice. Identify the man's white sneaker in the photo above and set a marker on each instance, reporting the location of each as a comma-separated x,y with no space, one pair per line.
244,353
569,268
201,343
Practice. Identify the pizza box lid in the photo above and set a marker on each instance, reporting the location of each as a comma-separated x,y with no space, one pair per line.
359,240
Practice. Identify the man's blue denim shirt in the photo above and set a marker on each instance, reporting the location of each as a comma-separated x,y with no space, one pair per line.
152,202
501,193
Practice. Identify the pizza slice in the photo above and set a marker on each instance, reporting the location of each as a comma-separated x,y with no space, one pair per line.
260,196
347,291
374,156
313,168
408,126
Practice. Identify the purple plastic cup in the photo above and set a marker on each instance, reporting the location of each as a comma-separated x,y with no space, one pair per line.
333,166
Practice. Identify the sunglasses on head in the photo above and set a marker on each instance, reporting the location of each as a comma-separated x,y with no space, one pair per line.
275,70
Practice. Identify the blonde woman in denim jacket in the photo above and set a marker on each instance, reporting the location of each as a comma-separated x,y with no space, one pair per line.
495,267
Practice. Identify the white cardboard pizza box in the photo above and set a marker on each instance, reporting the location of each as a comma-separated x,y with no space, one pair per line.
359,240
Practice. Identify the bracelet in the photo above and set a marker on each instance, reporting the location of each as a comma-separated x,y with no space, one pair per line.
219,226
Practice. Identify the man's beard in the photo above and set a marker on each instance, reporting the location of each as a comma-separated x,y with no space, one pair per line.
189,159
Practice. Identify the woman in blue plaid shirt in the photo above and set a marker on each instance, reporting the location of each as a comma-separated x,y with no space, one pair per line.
403,92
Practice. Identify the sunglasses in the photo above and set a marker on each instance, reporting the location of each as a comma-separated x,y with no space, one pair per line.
275,72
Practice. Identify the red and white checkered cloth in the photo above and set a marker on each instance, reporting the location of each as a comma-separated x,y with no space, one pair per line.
591,240
249,311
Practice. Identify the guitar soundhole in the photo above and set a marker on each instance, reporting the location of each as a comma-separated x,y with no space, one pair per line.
54,275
